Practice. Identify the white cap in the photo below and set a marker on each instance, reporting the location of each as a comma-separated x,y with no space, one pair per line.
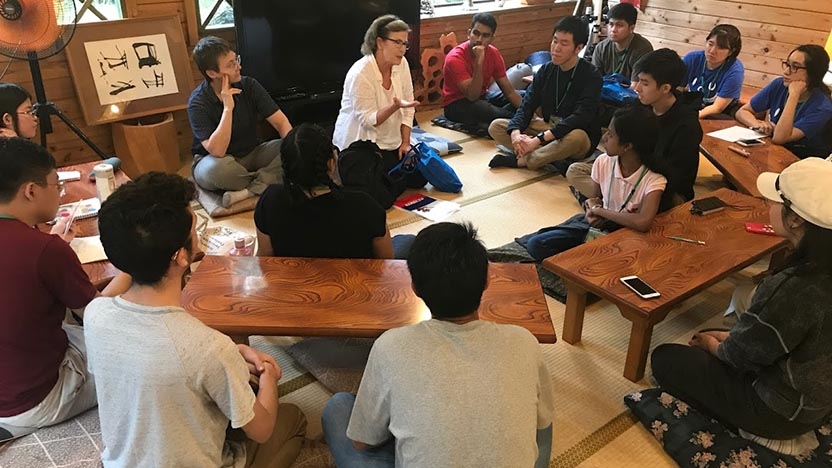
804,186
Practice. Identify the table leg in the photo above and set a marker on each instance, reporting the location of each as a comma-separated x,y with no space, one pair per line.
640,336
573,321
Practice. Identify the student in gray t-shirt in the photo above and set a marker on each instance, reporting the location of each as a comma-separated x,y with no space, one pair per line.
168,386
450,391
622,48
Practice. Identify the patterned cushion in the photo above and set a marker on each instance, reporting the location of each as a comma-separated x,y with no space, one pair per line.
439,144
697,441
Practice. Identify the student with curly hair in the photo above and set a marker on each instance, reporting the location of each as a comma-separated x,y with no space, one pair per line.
310,215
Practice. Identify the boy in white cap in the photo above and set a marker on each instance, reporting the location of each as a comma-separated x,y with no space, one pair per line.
770,377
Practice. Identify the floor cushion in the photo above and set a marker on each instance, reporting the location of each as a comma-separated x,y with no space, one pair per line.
441,145
697,441
470,129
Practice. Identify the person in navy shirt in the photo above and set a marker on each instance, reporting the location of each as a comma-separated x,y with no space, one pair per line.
798,104
716,72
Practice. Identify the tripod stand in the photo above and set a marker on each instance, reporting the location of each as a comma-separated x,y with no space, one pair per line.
46,109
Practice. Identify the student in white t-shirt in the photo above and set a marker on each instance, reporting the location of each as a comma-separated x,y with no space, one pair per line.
627,190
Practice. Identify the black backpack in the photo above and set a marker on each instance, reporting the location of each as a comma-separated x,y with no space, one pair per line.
362,167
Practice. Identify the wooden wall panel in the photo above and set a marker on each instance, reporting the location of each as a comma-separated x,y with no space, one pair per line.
770,28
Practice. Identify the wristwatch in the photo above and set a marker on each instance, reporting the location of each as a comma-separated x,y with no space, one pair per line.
541,138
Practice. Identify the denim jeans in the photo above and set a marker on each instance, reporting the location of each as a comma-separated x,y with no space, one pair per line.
556,239
334,421
401,245
336,418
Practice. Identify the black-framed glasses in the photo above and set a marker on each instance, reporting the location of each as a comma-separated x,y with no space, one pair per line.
791,66
786,201
398,42
30,112
486,35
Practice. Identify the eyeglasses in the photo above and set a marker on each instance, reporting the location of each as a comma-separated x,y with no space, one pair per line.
786,201
791,66
31,112
483,35
237,61
59,184
398,42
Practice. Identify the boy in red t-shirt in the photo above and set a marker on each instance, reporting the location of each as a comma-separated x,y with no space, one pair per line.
469,70
43,372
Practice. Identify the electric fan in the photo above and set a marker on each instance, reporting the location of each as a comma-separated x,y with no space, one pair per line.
33,30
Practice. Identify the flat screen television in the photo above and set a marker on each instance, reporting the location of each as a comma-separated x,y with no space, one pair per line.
302,49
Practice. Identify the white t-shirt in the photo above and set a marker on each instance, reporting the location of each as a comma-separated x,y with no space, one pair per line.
614,195
471,395
364,96
167,387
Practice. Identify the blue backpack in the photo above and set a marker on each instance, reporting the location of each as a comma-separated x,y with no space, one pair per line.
616,89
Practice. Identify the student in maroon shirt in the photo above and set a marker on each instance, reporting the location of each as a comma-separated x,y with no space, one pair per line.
43,372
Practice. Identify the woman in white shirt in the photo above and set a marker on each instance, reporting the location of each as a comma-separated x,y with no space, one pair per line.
377,104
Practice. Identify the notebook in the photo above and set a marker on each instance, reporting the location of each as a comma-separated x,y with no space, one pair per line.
86,209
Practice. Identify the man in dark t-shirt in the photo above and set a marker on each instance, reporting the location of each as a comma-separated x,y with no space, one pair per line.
224,111
43,372
567,90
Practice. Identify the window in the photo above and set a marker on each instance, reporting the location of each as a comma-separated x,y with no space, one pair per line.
215,14
89,11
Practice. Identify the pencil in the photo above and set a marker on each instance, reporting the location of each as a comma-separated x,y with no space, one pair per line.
685,239
739,151
71,218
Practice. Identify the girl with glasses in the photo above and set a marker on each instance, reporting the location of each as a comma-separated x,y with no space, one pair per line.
377,104
18,116
798,104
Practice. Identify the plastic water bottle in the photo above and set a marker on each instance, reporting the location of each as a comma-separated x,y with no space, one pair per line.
241,248
105,180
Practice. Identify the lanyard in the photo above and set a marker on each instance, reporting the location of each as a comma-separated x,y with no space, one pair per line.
710,84
632,192
616,67
558,99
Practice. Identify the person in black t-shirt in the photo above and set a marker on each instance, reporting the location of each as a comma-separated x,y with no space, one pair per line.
309,215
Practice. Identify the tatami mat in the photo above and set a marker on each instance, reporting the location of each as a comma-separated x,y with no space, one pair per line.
591,428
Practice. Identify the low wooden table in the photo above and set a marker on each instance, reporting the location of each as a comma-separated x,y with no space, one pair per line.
740,170
342,297
100,273
678,270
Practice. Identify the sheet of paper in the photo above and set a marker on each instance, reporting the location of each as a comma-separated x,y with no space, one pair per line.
69,176
735,133
88,249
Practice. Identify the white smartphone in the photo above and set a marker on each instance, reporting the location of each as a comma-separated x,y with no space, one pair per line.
644,290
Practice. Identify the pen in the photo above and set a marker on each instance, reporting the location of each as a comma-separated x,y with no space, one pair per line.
739,151
71,219
685,239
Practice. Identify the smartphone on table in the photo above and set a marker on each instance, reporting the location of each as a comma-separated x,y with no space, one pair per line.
644,290
760,228
750,142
